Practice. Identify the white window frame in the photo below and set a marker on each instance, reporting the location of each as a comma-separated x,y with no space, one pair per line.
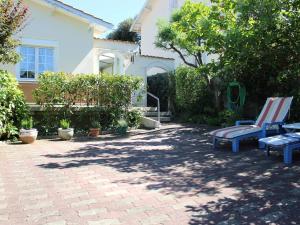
173,4
37,44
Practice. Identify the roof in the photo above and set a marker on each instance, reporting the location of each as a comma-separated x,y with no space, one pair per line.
157,57
136,26
118,41
78,13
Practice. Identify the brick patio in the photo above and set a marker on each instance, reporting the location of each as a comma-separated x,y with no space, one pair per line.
170,176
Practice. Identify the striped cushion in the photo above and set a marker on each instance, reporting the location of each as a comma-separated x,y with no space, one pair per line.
275,110
235,131
281,140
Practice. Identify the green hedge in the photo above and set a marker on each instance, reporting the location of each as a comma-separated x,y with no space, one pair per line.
84,98
87,89
192,92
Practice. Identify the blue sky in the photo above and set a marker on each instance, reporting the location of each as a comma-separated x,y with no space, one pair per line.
113,11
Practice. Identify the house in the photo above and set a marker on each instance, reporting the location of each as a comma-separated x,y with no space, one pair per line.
146,25
59,37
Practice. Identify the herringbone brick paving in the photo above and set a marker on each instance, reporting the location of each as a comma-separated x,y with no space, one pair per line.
170,176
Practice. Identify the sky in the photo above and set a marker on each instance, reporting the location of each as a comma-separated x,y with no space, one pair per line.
113,11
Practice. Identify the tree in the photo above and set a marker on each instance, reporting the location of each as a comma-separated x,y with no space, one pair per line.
257,43
12,16
123,32
192,31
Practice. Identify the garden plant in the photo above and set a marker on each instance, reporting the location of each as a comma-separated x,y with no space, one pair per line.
254,42
84,98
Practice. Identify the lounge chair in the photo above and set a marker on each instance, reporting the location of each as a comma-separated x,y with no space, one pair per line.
286,142
273,113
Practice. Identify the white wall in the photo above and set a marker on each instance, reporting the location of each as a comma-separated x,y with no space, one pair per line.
160,9
142,64
139,66
74,38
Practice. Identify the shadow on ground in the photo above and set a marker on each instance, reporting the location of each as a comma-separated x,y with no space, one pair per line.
232,188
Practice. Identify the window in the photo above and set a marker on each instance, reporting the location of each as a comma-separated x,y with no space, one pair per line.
27,70
173,4
35,60
45,60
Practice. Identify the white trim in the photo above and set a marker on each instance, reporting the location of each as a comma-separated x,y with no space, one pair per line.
36,44
158,64
173,4
136,25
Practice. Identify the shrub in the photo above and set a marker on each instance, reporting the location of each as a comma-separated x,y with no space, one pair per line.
95,124
87,89
134,118
228,118
27,123
122,123
121,127
82,99
192,92
13,108
64,124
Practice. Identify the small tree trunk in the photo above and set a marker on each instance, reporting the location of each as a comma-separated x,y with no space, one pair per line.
215,88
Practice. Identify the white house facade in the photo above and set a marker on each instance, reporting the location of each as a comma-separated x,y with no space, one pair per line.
59,37
146,24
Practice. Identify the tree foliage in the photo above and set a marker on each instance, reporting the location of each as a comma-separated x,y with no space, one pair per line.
12,16
13,108
123,33
257,42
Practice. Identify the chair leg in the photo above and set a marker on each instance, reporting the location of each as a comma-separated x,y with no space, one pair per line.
215,143
261,145
235,145
288,155
268,149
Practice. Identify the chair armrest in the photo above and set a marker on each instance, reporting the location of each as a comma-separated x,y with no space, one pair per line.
266,125
240,122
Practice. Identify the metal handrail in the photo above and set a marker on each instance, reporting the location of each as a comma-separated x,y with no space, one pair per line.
158,105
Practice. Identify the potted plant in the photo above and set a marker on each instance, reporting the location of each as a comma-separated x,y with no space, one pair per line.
65,132
95,129
27,134
122,127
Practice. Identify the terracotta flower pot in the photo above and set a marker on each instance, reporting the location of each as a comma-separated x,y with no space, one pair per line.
28,136
94,132
66,134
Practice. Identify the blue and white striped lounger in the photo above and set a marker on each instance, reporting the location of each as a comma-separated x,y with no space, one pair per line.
287,142
273,113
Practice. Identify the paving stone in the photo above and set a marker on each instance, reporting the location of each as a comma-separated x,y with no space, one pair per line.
3,206
92,212
76,195
159,219
105,222
34,197
39,205
83,203
229,222
61,222
246,208
119,192
41,215
272,217
3,218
